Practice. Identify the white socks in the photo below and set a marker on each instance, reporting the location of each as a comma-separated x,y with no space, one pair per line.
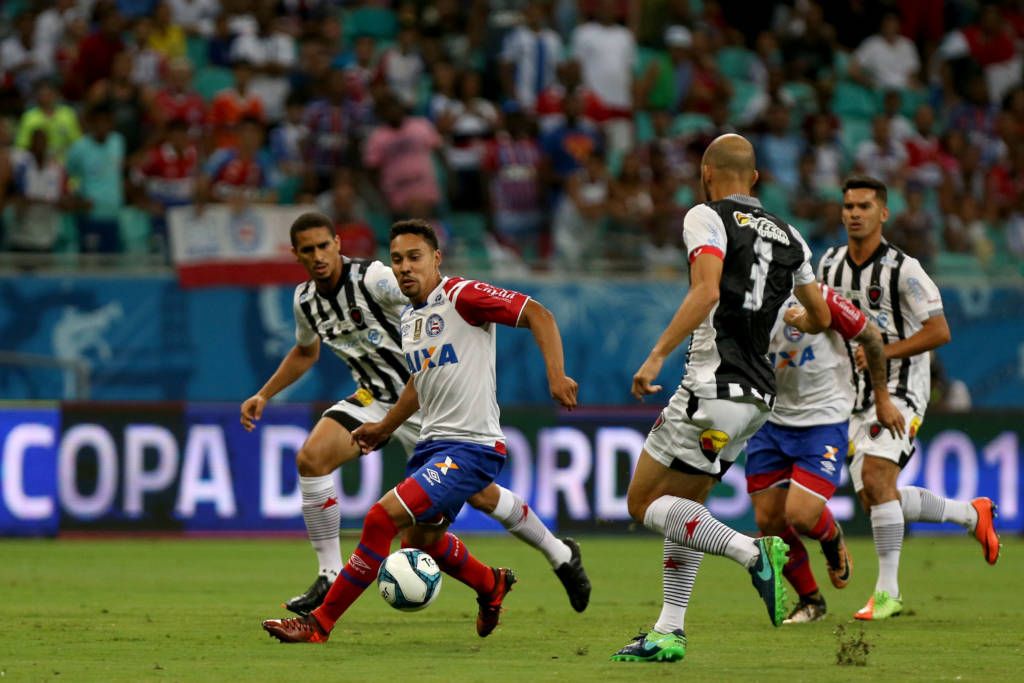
323,517
514,514
887,530
691,525
921,505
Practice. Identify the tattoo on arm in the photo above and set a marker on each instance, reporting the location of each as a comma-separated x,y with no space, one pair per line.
874,353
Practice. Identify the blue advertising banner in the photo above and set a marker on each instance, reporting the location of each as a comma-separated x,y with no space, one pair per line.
146,339
191,468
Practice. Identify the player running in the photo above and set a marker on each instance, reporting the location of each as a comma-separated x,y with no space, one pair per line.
744,262
795,460
353,307
896,293
448,338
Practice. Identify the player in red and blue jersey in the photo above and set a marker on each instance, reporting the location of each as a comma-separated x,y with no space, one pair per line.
448,337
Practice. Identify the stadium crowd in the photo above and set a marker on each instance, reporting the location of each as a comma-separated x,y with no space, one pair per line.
556,133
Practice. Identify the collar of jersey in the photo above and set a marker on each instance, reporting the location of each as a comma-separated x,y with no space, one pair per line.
882,247
744,199
430,296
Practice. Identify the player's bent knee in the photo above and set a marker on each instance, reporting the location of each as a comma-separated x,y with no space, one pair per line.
637,506
487,500
311,463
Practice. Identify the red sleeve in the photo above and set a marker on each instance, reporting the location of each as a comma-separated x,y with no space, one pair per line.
478,302
847,319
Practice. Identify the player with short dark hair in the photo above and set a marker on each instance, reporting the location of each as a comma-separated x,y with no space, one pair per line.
353,307
744,263
448,338
894,291
795,460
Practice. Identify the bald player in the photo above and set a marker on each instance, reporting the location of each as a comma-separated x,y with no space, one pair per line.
744,263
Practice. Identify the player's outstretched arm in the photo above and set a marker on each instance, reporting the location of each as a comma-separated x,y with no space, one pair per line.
814,316
369,434
700,300
887,414
934,333
294,365
541,322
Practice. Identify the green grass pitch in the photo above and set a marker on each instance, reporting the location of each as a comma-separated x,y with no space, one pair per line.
190,610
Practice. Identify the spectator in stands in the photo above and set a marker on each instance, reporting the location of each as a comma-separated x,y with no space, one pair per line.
289,139
900,127
126,101
97,50
630,210
311,73
607,55
52,24
805,202
401,66
40,194
924,163
517,201
530,56
218,45
271,51
990,44
1005,182
709,87
473,121
880,156
569,145
167,38
916,228
829,159
679,67
887,60
342,205
196,17
230,106
808,43
178,99
96,164
779,149
24,61
241,173
167,177
400,152
967,232
329,144
58,120
579,221
147,65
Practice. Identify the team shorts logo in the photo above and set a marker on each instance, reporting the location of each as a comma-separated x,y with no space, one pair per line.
659,422
830,453
432,477
712,441
364,397
915,424
875,430
448,464
435,325
875,296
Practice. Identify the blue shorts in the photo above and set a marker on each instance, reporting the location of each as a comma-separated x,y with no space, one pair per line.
811,457
442,475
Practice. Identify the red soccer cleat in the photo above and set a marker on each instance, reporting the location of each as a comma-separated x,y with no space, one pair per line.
985,531
297,630
490,605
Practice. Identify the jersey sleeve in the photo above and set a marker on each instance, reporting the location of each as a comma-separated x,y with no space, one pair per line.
918,291
804,275
703,233
383,286
305,335
478,302
848,320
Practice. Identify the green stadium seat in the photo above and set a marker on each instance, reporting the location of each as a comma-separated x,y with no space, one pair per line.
469,235
851,99
197,51
690,123
736,63
210,80
135,230
948,264
381,224
852,132
379,22
773,197
643,129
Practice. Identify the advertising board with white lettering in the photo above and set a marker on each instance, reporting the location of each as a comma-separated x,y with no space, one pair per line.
191,468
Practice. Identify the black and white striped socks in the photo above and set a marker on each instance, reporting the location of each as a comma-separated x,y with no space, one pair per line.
691,525
679,573
921,505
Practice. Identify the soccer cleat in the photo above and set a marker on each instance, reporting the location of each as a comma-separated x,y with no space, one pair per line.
297,630
838,559
654,646
574,577
880,606
766,575
490,606
311,599
985,530
807,611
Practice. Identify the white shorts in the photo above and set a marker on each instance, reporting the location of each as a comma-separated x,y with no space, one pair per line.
868,437
703,435
360,407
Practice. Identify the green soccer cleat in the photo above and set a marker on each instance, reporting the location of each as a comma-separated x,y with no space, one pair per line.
654,647
766,575
880,606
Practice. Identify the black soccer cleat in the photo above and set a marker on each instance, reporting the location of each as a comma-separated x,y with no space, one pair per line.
311,599
574,577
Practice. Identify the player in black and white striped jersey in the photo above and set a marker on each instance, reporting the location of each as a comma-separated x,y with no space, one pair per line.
353,307
893,289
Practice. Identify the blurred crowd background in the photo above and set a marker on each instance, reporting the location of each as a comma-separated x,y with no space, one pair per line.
560,135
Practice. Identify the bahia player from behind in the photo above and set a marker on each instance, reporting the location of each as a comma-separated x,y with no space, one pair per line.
352,306
448,338
794,462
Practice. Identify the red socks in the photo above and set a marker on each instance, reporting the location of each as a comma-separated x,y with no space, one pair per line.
798,569
361,569
454,558
825,528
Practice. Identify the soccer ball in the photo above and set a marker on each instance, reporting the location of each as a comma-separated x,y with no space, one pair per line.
409,579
